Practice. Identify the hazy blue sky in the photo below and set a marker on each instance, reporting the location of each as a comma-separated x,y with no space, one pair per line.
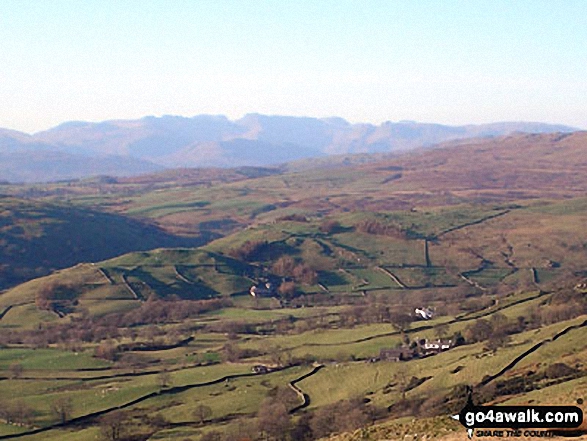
451,62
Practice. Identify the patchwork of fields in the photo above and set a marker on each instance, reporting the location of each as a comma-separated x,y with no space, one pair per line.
161,332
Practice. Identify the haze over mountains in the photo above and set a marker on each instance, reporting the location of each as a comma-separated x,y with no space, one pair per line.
131,147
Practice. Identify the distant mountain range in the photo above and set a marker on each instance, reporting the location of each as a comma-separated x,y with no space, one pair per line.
131,147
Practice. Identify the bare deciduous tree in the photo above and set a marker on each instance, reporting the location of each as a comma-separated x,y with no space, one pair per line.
274,420
62,408
201,413
112,426
164,379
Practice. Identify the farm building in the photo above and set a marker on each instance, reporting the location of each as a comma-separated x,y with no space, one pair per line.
435,346
260,369
396,354
424,313
262,290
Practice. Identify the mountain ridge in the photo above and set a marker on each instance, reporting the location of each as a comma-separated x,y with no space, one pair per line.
152,143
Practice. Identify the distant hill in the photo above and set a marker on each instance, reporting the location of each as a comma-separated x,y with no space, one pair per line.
37,238
501,171
126,148
522,165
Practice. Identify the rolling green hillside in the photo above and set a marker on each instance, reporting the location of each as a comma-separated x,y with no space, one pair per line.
38,237
495,171
429,257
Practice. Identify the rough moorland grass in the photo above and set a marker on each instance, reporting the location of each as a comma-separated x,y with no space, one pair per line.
160,203
568,348
526,239
434,222
562,394
408,428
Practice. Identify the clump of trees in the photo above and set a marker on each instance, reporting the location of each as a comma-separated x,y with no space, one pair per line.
232,352
170,310
284,266
564,305
295,217
231,327
287,266
372,226
250,250
375,312
113,426
275,423
496,331
273,418
106,350
17,413
330,226
287,290
56,296
304,274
